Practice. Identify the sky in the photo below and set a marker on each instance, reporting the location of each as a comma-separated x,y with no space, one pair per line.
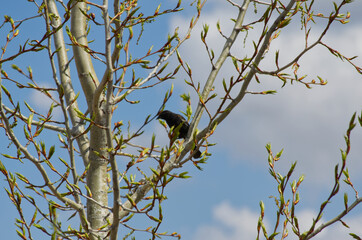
222,201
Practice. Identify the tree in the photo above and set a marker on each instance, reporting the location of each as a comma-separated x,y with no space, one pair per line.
101,189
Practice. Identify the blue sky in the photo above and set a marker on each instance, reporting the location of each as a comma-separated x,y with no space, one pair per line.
222,201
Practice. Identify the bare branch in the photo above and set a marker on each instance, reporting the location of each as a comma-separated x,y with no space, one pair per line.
336,219
219,63
42,171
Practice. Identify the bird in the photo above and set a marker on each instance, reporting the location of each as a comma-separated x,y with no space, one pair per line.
174,120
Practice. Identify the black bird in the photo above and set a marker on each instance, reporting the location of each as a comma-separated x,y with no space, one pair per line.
174,120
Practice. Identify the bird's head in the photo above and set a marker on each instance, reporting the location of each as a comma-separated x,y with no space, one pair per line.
164,114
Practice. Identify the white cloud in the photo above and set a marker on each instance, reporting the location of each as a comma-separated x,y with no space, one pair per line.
40,102
230,224
308,123
233,223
